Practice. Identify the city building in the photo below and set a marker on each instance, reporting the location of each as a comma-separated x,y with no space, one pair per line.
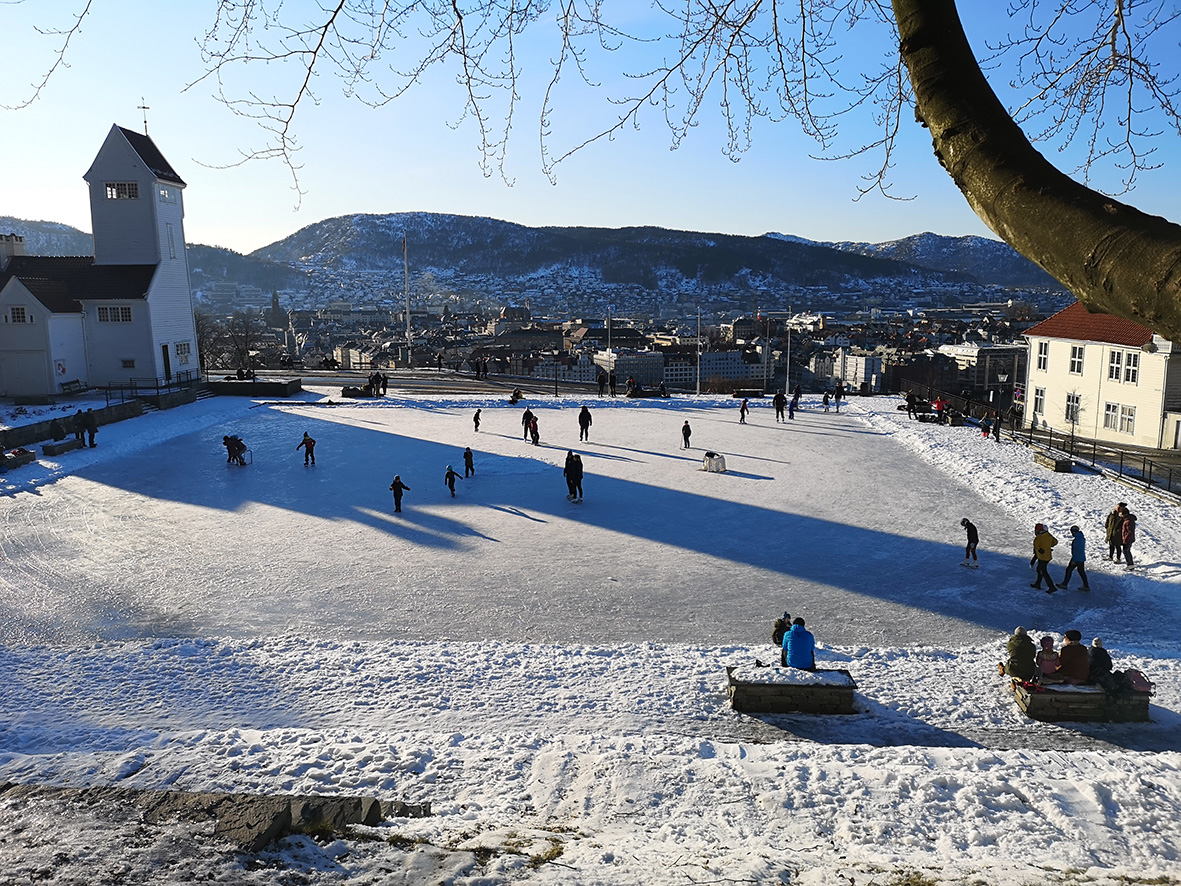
1105,378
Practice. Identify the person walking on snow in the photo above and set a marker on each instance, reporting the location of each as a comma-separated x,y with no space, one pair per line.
533,431
824,401
449,478
584,423
476,421
574,476
686,433
1127,536
308,445
90,422
973,540
1113,529
742,411
780,402
398,487
1078,555
1043,553
526,420
469,466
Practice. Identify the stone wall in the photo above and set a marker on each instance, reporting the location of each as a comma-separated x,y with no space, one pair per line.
26,435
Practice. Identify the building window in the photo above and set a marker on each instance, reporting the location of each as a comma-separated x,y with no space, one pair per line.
1043,355
1127,419
1115,366
18,314
122,190
1039,401
183,351
171,243
167,194
129,364
1072,408
1132,368
114,314
1110,416
1076,359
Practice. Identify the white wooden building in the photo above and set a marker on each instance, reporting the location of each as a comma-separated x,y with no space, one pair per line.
123,315
1104,378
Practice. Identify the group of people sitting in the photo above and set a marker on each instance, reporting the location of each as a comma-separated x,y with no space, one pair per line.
797,646
1073,664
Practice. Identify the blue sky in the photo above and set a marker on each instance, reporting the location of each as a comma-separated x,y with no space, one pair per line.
411,156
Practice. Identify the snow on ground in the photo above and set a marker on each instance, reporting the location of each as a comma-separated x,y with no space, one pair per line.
550,675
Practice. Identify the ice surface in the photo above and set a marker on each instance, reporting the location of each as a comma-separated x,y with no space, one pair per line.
550,673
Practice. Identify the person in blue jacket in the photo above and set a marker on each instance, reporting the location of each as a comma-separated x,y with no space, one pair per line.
1078,556
799,646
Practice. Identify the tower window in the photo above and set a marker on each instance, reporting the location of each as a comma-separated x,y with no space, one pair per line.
184,350
167,194
122,190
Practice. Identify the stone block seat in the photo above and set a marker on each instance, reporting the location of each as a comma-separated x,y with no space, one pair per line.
755,690
61,446
17,457
1058,702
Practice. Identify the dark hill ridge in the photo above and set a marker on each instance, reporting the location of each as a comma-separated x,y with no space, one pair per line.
651,257
646,256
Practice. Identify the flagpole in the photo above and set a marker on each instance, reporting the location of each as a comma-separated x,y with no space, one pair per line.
406,271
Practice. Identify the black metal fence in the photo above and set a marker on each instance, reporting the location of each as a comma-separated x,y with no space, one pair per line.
136,388
1131,465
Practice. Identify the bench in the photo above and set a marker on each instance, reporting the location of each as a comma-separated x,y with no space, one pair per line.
74,387
1061,702
755,690
748,393
1057,465
61,446
16,458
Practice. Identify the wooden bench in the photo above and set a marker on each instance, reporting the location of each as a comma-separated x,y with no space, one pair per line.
755,690
61,446
1058,465
1060,702
74,387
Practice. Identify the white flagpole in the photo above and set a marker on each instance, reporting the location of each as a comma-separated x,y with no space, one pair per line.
406,271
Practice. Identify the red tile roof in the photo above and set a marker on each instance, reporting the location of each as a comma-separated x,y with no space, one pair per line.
1078,324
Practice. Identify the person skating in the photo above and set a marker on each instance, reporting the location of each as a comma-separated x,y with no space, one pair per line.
602,382
780,402
1113,531
449,478
1078,556
824,401
742,411
567,472
1043,553
476,420
611,382
686,433
584,423
398,487
574,475
970,558
526,421
792,405
838,395
533,431
308,445
469,463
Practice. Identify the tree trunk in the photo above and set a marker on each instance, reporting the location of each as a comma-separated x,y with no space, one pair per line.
1113,257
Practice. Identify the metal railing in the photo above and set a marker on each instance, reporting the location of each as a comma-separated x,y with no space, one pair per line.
137,388
1130,465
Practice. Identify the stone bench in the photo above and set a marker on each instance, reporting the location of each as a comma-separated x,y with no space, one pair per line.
1058,465
61,446
17,457
1062,702
755,690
